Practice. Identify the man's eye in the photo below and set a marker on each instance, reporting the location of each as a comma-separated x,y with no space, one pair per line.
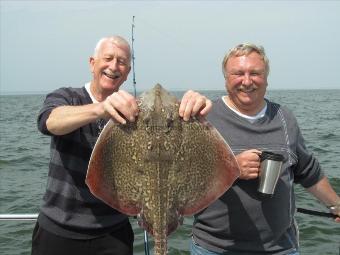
122,62
238,74
256,74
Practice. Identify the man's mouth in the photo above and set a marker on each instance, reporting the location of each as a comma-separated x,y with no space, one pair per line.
113,76
247,89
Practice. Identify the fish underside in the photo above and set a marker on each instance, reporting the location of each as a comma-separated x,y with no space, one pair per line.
160,167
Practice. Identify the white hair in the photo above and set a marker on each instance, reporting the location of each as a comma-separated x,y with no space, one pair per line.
115,39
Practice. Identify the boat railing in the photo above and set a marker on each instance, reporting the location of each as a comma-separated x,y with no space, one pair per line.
32,216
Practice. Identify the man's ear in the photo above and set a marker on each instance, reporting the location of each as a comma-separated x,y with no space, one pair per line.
91,62
127,74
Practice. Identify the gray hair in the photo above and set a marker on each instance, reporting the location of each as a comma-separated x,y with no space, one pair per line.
115,39
245,49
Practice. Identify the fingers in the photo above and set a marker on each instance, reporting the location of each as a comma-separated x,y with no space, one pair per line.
129,105
192,104
247,172
249,163
121,106
258,152
207,108
336,211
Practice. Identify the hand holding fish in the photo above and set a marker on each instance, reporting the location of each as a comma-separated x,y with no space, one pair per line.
120,106
122,103
192,104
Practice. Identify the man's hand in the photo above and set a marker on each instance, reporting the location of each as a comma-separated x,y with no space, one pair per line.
120,106
192,104
324,192
249,163
335,209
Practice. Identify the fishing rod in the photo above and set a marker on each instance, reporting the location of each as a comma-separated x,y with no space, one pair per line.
146,238
316,213
133,55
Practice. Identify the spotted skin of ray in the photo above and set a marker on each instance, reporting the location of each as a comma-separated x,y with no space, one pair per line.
160,167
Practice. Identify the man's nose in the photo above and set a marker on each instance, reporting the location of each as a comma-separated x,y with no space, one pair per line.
247,79
113,65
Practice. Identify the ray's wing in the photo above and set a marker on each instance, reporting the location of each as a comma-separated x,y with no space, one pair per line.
114,150
210,167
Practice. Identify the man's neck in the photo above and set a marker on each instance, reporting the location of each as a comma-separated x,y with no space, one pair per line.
97,94
244,111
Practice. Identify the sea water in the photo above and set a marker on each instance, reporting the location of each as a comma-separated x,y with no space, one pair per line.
24,157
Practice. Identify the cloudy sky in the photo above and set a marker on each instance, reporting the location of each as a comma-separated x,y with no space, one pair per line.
180,44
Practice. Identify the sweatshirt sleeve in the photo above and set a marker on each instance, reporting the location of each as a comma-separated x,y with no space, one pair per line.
53,100
307,171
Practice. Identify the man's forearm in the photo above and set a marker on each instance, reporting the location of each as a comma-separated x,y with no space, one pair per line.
323,191
65,119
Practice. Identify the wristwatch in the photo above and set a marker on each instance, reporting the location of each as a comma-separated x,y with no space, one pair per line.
335,209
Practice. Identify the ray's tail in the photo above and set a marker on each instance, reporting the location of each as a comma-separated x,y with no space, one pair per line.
160,242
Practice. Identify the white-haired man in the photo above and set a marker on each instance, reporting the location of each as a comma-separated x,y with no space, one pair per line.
72,220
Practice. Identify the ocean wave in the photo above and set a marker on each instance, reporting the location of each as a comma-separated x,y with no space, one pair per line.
330,136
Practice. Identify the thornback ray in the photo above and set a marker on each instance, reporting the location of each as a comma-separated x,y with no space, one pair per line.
160,167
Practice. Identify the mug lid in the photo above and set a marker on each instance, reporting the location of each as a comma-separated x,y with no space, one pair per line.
271,156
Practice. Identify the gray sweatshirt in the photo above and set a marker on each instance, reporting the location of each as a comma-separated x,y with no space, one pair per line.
242,221
69,209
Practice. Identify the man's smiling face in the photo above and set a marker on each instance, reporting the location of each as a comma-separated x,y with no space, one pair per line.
110,67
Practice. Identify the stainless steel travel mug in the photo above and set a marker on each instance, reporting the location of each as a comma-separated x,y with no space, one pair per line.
271,164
